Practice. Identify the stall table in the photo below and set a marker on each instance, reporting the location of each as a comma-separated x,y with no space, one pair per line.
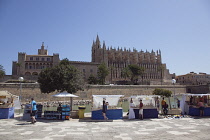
147,113
194,111
7,113
112,114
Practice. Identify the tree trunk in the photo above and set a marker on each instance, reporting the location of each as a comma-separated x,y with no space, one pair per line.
169,102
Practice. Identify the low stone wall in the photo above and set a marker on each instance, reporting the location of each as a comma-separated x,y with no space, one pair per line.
32,90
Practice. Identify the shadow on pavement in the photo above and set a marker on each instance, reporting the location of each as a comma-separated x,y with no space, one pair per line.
28,121
88,119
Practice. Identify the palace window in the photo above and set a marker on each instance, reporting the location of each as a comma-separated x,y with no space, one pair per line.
37,58
42,58
31,58
48,59
42,67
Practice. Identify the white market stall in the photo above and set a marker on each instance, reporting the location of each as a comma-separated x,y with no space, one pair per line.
150,109
113,112
189,104
7,105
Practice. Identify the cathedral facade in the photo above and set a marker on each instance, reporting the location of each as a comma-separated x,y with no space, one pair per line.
155,72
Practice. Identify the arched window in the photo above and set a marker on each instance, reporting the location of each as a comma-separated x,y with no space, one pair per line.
27,73
34,73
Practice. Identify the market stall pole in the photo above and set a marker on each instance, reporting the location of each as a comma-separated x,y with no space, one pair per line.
112,113
173,82
21,79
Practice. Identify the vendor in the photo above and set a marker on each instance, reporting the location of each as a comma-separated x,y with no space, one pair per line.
191,100
59,108
201,107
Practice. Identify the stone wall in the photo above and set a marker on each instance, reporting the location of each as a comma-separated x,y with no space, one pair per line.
30,90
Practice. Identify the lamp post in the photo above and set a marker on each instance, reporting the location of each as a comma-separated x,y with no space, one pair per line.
21,79
173,82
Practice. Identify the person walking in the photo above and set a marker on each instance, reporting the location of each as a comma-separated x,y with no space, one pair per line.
141,117
104,109
33,111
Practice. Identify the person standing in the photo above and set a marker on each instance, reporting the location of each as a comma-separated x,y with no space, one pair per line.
163,102
131,114
165,109
141,110
33,111
104,109
201,107
178,103
157,103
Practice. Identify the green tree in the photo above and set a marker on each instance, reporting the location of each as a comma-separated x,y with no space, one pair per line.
164,93
126,72
102,73
62,77
2,71
133,72
92,80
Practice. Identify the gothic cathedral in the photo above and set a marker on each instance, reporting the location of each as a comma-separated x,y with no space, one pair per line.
155,71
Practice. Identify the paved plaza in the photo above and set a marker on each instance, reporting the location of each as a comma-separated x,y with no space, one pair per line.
86,129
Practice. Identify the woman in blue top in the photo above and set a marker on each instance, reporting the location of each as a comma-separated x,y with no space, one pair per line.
33,111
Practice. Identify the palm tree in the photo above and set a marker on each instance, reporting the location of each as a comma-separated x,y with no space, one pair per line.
2,71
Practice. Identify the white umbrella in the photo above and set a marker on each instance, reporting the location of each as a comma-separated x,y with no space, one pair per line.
66,94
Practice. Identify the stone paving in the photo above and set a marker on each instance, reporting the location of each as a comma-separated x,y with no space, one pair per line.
87,129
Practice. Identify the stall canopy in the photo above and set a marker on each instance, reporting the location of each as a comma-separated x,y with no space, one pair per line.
111,99
65,95
148,100
6,96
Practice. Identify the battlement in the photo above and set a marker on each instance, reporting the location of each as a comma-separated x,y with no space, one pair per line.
83,62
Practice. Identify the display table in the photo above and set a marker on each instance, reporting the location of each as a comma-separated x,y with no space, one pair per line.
194,111
147,113
63,114
112,114
7,113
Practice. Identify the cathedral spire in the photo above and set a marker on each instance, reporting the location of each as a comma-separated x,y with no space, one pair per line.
104,45
159,52
93,43
97,43
97,38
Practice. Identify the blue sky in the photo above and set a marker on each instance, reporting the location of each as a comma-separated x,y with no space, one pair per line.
179,28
